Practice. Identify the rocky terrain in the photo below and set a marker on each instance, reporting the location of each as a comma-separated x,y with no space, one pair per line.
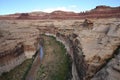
93,44
98,12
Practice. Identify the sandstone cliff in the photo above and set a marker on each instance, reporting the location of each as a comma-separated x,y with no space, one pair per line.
91,47
98,12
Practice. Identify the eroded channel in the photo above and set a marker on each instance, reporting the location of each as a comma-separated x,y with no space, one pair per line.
55,64
49,63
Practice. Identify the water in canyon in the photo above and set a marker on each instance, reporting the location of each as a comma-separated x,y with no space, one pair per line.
50,63
55,63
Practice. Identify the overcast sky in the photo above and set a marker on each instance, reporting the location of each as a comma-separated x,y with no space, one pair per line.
19,6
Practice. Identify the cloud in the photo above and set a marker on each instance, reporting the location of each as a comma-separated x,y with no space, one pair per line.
73,6
63,8
57,8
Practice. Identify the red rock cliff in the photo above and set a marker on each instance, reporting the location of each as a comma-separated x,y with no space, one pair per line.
98,12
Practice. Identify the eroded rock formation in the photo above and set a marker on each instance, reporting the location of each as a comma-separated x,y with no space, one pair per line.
98,12
111,70
90,43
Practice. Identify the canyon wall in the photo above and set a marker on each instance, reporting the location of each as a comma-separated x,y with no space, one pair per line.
91,43
111,70
16,45
99,43
72,45
11,58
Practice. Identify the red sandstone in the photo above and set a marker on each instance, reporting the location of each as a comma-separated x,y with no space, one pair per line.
98,12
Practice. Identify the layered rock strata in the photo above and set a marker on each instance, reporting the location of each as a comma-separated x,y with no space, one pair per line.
95,42
10,58
98,12
74,50
111,70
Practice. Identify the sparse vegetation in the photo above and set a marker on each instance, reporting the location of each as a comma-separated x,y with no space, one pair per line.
19,72
55,65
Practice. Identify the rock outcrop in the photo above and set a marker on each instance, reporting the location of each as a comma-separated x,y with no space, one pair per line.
79,66
90,43
111,70
24,16
98,12
98,44
11,57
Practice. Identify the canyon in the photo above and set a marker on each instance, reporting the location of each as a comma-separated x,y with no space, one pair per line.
91,39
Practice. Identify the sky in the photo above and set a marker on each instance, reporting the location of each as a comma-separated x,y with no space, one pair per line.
22,6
